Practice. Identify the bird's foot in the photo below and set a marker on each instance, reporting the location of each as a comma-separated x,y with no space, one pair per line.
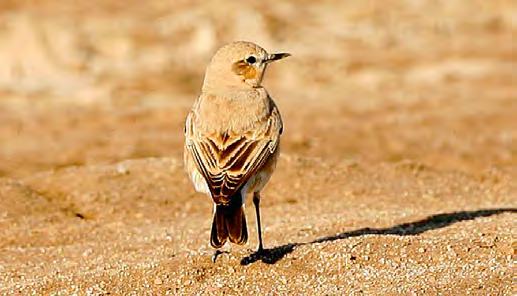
217,253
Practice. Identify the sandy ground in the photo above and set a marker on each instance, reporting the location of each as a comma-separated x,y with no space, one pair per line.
397,166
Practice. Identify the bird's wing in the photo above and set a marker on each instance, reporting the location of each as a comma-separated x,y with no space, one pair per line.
228,160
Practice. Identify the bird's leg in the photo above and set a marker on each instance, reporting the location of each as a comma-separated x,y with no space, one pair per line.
256,202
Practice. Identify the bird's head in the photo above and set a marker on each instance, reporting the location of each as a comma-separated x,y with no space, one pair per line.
239,65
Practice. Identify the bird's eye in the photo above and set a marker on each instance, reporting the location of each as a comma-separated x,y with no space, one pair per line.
251,60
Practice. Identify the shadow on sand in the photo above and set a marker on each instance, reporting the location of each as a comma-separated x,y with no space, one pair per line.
271,256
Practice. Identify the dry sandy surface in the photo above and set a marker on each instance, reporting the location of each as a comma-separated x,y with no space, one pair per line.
397,168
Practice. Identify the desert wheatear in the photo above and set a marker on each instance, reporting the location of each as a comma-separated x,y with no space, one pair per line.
232,138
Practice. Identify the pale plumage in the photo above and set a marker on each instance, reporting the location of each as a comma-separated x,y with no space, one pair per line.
227,153
232,137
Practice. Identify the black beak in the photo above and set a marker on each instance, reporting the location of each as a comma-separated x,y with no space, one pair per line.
277,56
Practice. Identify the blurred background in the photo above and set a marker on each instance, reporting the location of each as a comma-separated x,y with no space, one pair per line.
84,82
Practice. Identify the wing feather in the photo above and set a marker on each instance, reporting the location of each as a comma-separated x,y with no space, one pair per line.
227,161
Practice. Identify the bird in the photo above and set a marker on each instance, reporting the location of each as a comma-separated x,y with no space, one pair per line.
232,139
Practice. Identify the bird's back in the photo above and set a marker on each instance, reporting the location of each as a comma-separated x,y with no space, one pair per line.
230,138
233,111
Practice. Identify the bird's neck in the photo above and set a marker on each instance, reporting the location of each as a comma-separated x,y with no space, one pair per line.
232,93
236,86
216,81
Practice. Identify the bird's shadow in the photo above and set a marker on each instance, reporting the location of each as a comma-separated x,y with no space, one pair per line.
273,255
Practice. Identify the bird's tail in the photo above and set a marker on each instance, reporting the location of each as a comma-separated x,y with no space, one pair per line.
229,222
